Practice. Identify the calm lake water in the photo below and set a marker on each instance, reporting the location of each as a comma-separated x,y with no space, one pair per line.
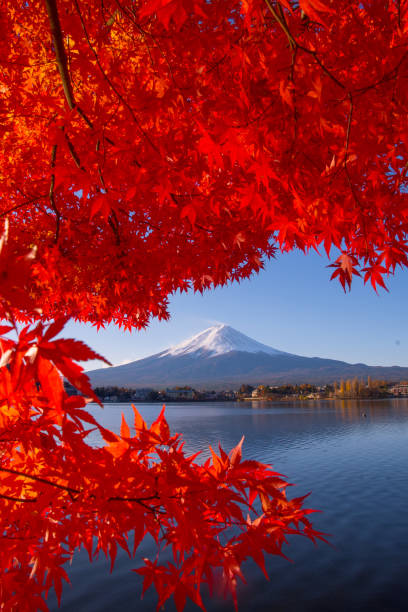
357,470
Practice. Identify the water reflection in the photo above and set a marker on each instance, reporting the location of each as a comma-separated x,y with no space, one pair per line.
356,468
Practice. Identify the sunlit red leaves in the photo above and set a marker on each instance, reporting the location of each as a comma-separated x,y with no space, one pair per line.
316,9
35,356
375,274
154,163
16,271
344,269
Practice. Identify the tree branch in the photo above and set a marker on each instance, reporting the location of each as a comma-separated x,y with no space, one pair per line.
280,19
27,203
138,500
39,479
51,195
73,152
60,55
110,83
283,25
18,499
61,58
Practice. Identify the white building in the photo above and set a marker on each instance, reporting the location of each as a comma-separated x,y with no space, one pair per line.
400,389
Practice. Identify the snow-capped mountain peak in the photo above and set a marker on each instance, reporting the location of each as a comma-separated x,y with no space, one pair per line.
218,340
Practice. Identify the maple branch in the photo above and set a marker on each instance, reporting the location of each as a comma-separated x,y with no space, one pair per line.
111,20
5,213
346,152
73,152
280,19
112,86
133,499
113,222
145,34
59,48
251,121
295,109
386,77
139,500
348,128
322,66
51,195
283,24
61,58
18,499
39,479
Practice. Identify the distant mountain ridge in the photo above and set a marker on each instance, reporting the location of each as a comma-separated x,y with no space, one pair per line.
221,357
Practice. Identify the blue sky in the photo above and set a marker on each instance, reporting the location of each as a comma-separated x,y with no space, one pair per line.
291,305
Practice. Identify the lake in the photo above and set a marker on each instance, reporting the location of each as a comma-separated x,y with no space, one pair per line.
356,468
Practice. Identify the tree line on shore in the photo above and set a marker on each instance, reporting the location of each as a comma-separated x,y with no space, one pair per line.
345,388
126,394
354,387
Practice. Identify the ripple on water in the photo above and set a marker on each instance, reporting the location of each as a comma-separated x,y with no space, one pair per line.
356,468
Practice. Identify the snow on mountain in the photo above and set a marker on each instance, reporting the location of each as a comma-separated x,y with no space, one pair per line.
218,340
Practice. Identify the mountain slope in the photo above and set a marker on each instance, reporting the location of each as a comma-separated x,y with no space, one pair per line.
219,340
222,357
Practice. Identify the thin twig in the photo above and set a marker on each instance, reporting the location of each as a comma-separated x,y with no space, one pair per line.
27,203
73,152
39,479
348,129
110,83
283,25
139,500
113,222
18,499
51,195
280,19
346,151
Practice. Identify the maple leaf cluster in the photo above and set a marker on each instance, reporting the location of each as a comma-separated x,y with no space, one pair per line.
55,497
154,146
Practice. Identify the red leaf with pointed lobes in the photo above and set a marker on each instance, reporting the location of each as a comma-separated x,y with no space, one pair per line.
236,453
155,427
375,275
51,382
190,212
124,428
139,422
310,7
217,463
109,436
76,349
55,328
345,269
76,376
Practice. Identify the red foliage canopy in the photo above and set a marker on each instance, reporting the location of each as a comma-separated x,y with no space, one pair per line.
150,146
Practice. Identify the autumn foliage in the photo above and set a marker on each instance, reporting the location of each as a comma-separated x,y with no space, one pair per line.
153,146
55,496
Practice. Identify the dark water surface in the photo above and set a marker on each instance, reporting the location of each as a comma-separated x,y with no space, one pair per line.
357,470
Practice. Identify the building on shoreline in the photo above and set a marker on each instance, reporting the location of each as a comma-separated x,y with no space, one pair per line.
399,389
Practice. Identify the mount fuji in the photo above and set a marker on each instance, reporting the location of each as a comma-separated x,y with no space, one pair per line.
222,357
